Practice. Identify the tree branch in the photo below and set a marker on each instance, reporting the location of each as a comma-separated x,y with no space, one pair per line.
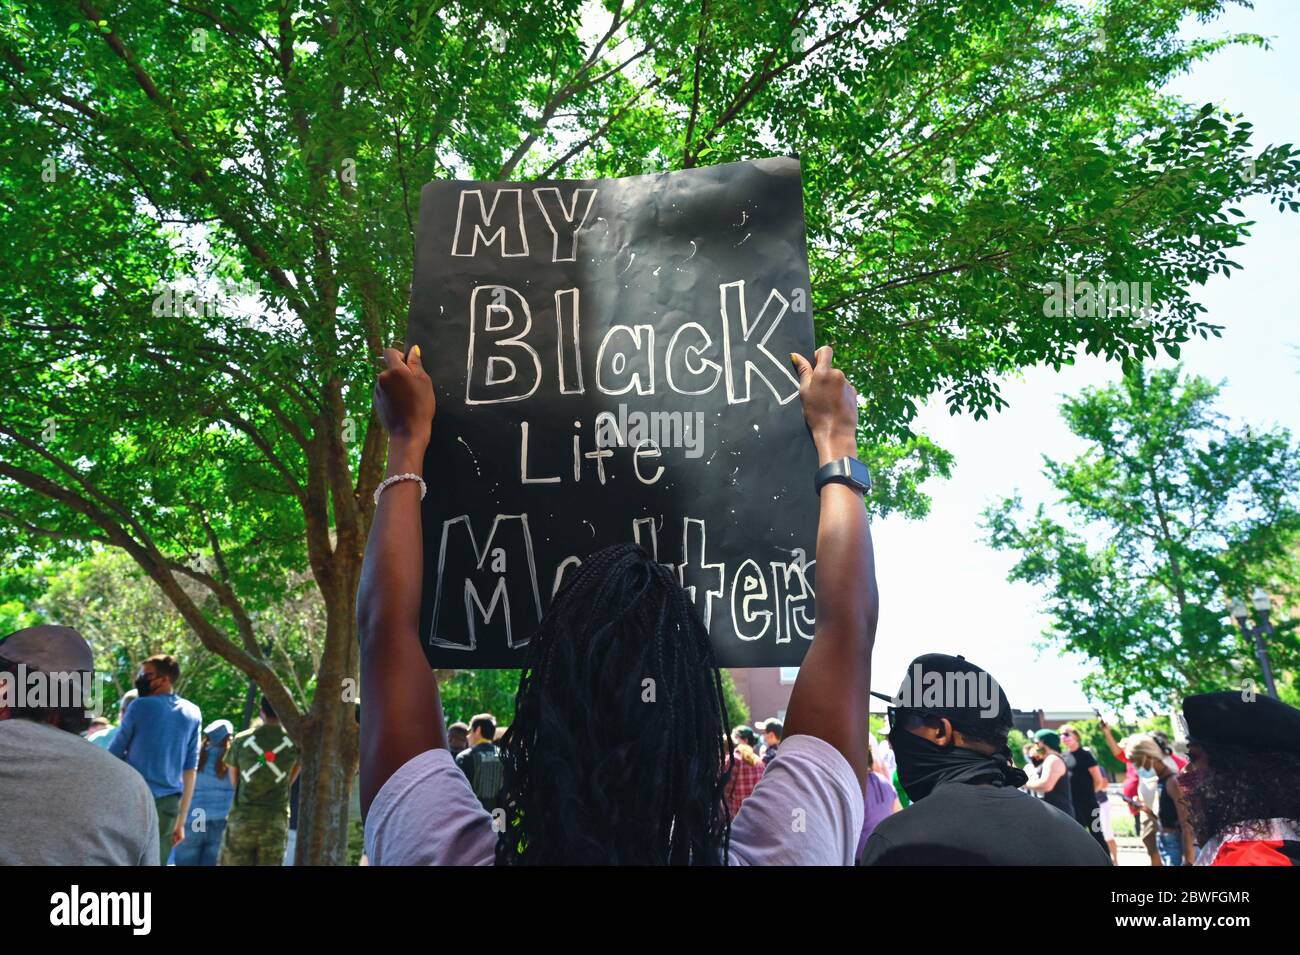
160,570
754,85
198,175
574,86
687,161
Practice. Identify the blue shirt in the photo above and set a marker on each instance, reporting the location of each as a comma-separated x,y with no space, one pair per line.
212,793
159,736
103,738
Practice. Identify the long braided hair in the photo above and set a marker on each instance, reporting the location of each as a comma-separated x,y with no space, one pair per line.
616,753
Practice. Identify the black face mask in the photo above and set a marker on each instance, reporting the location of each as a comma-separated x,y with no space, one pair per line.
143,685
923,764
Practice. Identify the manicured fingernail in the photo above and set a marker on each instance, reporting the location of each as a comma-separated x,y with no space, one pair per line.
415,350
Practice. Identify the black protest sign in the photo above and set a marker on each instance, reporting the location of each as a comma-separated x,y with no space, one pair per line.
611,360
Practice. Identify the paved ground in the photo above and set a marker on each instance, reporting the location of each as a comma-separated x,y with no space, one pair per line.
1132,852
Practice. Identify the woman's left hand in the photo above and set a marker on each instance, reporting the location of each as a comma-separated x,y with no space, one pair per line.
404,396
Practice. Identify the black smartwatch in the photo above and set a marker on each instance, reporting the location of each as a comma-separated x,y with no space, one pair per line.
848,471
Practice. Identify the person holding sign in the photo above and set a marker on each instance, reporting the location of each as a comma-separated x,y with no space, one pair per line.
616,754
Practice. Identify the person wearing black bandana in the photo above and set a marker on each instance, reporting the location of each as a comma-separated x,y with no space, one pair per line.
950,739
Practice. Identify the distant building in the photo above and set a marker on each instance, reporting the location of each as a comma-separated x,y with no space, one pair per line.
1055,719
1027,721
766,690
1030,721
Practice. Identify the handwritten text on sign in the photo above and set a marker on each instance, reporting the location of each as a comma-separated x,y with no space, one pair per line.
611,358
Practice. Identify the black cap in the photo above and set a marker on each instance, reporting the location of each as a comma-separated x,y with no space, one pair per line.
951,687
1243,721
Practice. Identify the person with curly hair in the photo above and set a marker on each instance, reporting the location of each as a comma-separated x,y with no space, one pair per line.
1243,782
588,777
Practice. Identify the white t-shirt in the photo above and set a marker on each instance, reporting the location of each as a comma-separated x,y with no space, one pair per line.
806,810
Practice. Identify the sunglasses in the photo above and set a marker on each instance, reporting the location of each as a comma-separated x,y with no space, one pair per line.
894,716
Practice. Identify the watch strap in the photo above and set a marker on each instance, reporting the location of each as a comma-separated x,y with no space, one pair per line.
848,471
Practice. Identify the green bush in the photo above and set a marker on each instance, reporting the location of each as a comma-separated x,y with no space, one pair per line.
737,708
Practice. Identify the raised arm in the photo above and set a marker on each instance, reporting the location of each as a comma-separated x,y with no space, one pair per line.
1110,742
830,696
401,713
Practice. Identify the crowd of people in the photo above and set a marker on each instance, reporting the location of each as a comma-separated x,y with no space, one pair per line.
593,770
157,788
1061,772
218,797
588,774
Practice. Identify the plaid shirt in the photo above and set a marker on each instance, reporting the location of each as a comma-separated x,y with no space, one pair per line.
744,778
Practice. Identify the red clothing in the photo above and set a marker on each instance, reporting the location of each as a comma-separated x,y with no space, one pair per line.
1262,852
1275,843
744,778
1130,783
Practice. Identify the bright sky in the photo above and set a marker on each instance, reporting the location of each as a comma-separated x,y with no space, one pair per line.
941,588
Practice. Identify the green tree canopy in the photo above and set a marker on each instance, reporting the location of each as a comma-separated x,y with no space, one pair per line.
467,692
956,158
126,618
1165,517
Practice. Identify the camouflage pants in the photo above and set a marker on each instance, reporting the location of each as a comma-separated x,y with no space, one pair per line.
254,840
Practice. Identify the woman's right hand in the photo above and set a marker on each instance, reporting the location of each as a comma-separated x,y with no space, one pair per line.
830,405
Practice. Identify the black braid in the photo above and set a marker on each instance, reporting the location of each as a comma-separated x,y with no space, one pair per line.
594,774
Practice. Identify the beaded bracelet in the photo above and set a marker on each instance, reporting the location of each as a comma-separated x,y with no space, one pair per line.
400,477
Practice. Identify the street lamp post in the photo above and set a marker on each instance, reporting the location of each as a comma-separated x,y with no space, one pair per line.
1257,632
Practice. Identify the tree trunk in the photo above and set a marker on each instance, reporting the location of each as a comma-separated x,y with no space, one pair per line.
329,765
1175,568
332,746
